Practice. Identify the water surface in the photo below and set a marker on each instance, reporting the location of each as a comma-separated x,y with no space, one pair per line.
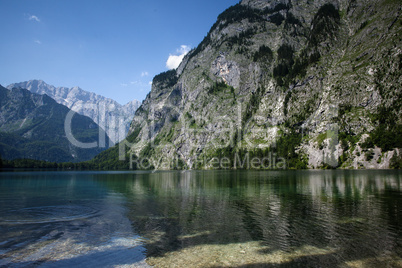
201,219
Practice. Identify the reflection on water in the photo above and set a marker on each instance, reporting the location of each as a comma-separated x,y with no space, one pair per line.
203,218
234,218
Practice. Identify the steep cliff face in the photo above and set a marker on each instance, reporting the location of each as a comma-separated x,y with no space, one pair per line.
315,83
107,113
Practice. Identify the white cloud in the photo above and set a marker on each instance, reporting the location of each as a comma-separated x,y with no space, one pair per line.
144,74
38,42
174,60
35,18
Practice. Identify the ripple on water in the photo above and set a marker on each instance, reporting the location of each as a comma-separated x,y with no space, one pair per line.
47,214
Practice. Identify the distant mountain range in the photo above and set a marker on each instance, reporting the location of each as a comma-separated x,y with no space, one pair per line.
109,114
33,126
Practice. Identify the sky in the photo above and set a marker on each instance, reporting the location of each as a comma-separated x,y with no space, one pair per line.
113,48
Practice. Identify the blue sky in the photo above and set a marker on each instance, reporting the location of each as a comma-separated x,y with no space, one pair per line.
113,48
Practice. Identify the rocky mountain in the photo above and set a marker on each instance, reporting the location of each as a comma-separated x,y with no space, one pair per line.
281,83
37,127
107,113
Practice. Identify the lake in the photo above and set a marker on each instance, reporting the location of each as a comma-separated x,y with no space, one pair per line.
337,218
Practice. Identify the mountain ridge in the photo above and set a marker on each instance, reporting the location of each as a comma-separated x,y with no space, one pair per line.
313,82
33,126
106,112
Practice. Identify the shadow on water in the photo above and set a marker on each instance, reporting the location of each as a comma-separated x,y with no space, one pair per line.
309,218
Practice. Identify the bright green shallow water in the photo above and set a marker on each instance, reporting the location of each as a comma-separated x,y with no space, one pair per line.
201,218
